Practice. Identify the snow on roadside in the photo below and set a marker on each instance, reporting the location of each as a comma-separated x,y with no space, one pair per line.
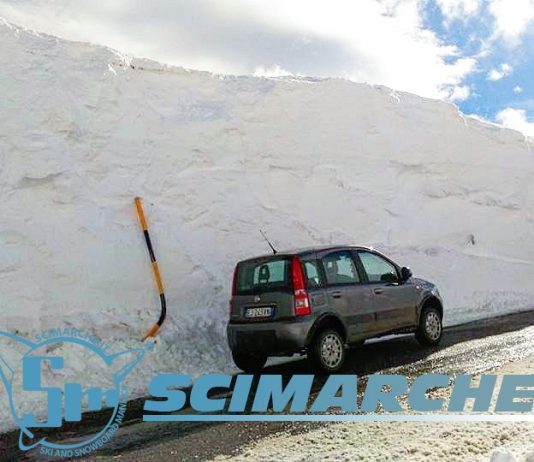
413,441
311,161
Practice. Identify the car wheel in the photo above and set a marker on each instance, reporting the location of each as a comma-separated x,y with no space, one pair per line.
327,351
430,329
249,363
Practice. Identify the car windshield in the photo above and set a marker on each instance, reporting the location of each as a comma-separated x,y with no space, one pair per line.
264,275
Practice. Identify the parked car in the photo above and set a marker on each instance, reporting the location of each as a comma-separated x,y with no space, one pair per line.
318,300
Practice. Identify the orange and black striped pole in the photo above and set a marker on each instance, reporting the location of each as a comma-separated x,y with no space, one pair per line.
153,331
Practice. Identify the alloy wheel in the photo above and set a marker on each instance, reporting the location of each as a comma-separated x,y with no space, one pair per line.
331,350
433,325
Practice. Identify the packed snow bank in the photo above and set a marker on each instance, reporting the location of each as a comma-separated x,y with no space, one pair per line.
215,158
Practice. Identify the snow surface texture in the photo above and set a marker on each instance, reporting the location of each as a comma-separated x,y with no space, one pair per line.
84,130
407,441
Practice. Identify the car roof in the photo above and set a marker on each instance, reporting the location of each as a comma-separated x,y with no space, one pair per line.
306,250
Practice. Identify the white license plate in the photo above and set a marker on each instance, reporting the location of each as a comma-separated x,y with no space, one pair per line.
263,312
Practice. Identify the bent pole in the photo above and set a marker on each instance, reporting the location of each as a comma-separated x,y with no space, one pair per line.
153,331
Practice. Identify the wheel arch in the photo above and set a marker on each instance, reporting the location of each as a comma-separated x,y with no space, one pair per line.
325,321
434,301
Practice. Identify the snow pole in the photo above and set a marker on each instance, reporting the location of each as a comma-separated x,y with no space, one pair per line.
153,331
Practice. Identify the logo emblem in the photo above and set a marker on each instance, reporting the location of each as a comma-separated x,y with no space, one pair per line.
49,381
257,298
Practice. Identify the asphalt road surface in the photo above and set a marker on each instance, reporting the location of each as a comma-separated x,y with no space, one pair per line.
471,348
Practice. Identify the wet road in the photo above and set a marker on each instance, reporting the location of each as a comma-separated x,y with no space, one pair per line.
473,348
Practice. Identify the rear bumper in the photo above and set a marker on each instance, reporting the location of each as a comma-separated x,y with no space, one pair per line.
272,339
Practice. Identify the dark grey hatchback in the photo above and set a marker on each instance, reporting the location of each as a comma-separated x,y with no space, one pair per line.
316,301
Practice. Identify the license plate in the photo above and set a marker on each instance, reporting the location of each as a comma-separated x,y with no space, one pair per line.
262,312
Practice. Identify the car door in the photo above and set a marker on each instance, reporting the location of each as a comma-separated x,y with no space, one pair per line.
351,300
394,301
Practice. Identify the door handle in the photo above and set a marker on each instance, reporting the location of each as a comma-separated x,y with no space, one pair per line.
378,291
336,294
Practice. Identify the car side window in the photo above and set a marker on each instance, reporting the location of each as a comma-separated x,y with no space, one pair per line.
313,277
340,269
377,268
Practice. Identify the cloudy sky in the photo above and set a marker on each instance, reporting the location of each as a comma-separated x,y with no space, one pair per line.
477,53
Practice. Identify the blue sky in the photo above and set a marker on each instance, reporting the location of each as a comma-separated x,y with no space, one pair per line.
477,54
504,76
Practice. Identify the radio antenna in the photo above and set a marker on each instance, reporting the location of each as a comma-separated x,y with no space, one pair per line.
268,242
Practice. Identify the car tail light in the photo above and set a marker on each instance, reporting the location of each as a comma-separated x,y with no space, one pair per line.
302,302
234,291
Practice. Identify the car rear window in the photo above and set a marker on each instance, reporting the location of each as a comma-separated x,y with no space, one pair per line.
266,275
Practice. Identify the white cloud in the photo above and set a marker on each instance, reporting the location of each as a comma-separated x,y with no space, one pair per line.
459,93
518,89
380,42
512,19
497,74
458,9
516,119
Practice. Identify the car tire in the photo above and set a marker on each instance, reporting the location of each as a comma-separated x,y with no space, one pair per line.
327,351
430,329
249,363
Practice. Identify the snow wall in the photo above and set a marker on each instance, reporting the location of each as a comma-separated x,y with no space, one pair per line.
83,130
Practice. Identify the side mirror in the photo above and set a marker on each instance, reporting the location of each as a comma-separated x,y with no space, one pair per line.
406,273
